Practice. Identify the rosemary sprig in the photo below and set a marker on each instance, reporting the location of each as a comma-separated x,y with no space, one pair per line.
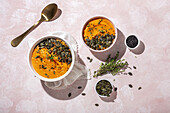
112,65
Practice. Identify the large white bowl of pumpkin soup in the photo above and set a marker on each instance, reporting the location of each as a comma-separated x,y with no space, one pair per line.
51,58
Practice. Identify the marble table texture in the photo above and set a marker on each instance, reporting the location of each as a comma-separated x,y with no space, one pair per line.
149,20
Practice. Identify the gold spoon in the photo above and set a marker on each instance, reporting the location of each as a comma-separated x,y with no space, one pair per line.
47,14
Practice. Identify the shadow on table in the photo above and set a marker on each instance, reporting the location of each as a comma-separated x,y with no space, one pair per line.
118,46
111,98
140,49
80,60
70,91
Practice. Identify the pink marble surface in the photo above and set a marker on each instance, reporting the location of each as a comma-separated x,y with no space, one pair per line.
21,92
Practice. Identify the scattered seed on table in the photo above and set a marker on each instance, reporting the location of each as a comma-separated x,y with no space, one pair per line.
115,89
95,72
139,88
134,67
113,79
96,104
125,73
79,87
69,95
91,60
130,85
83,94
130,73
88,58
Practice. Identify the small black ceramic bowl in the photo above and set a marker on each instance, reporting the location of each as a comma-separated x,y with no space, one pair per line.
132,42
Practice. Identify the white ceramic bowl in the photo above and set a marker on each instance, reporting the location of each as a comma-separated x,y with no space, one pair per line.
30,62
110,83
99,17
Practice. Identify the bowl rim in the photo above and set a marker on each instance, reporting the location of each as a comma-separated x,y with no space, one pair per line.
106,80
98,17
30,55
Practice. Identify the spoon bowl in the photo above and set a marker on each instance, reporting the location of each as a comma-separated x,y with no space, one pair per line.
47,14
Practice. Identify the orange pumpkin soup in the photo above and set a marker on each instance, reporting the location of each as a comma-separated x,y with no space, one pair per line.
51,58
99,34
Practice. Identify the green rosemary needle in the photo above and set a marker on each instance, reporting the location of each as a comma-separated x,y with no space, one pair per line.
112,65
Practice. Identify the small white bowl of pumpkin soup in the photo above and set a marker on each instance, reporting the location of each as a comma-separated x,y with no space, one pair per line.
99,34
51,58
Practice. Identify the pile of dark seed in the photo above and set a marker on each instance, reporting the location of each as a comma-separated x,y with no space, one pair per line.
100,42
57,48
104,88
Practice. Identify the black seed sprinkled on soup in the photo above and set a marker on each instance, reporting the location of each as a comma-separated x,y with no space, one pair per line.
100,42
57,48
69,95
37,56
46,75
132,41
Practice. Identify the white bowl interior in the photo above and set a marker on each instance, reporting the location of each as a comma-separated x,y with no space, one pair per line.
30,62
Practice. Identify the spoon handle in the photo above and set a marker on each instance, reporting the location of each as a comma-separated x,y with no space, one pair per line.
16,41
